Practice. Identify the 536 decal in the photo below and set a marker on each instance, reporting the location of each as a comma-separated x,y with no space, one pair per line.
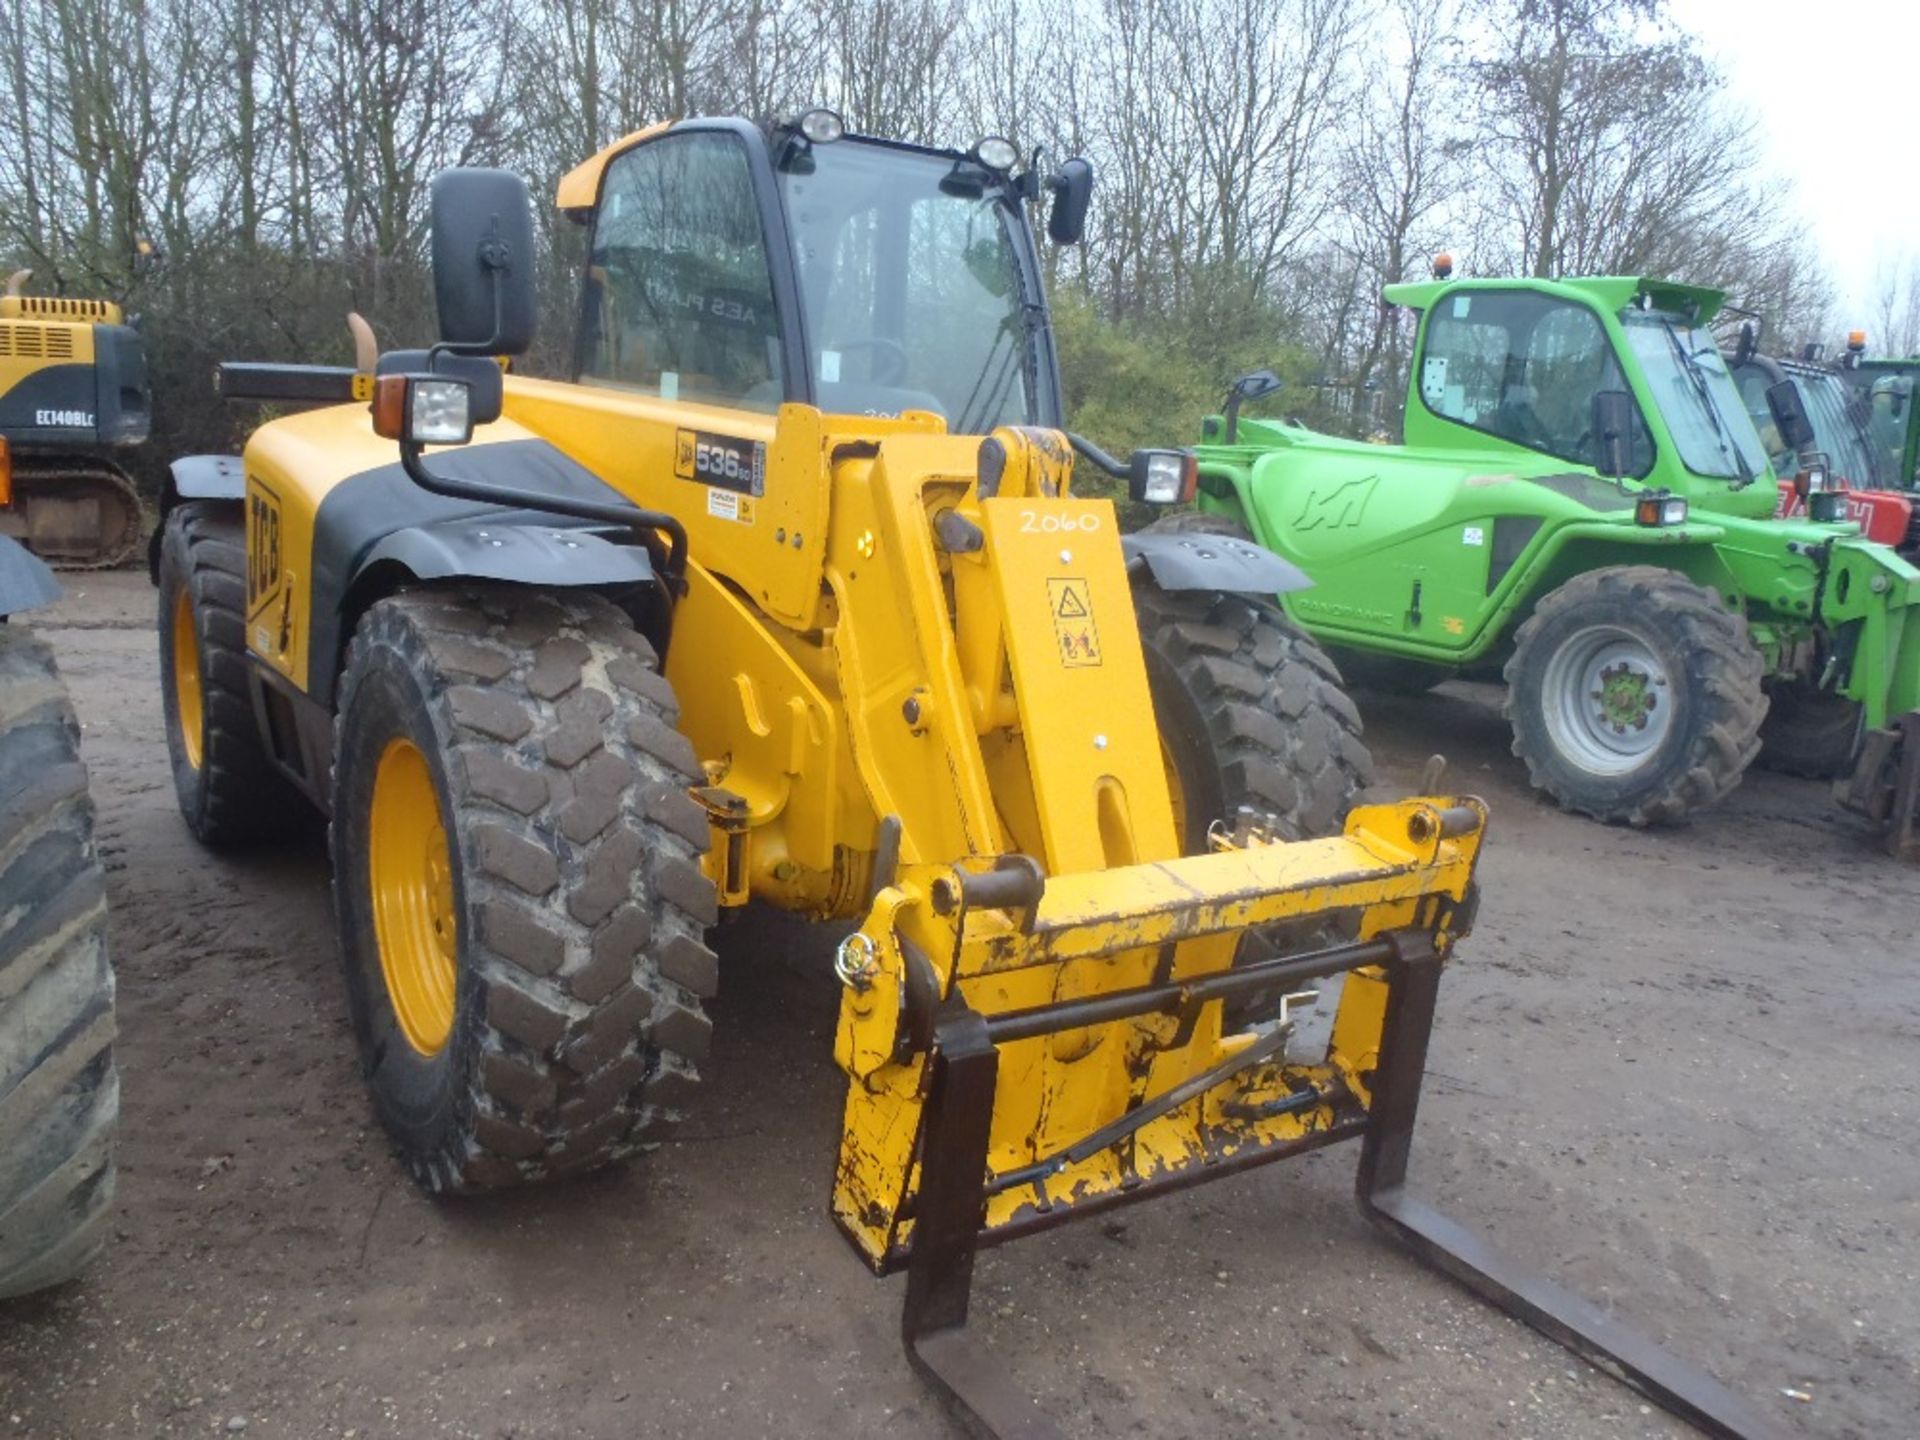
721,460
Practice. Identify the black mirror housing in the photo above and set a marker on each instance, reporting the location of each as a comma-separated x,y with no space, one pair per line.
1250,386
483,280
1790,415
1613,432
1072,193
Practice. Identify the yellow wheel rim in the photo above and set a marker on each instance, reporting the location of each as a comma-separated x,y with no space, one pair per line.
410,875
189,700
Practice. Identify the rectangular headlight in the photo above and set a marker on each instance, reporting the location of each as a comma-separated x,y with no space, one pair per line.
1827,506
1162,477
1660,510
439,412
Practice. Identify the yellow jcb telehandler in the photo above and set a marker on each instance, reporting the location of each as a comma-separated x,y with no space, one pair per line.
787,595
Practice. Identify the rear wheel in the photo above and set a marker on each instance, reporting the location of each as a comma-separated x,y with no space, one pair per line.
1809,732
517,883
59,1091
229,791
1635,696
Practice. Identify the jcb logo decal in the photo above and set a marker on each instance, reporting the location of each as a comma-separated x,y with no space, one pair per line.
1336,506
263,548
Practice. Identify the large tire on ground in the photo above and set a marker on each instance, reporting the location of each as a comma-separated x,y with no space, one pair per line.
59,1092
230,793
527,998
1251,713
1809,732
1635,696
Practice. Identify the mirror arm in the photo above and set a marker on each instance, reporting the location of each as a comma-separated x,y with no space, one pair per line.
1232,408
632,518
1099,457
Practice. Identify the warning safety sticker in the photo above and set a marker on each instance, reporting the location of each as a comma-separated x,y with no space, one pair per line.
1073,627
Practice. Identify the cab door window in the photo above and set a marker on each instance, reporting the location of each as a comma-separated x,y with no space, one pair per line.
679,295
1524,367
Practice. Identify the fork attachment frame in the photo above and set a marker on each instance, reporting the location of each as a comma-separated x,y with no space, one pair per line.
954,1187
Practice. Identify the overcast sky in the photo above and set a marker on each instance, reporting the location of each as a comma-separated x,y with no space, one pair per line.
1836,87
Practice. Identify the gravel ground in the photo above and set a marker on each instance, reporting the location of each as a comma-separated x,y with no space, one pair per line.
1678,1070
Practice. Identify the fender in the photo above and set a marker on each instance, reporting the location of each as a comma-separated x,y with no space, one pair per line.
517,548
377,529
195,477
25,581
1212,562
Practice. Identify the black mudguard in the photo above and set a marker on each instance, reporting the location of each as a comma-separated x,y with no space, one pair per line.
1195,560
25,581
506,546
376,529
195,477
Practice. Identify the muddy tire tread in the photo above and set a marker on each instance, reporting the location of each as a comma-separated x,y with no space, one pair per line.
238,797
59,1089
581,850
1730,670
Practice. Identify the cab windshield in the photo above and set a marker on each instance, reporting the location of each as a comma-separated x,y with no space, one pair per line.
1838,431
1688,379
911,283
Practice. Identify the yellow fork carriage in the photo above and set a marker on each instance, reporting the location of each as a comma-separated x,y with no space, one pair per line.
837,602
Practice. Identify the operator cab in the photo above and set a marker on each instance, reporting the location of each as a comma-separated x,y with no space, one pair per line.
1525,362
745,267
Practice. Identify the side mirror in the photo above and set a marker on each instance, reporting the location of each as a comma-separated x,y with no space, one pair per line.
1250,386
483,284
1072,190
1613,432
1790,415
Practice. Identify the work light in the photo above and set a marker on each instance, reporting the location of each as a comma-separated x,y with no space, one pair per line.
1162,477
1827,506
423,409
1660,509
996,152
822,126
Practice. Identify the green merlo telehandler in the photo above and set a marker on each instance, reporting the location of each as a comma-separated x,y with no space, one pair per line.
1583,507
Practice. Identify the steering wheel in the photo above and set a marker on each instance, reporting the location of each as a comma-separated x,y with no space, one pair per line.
889,355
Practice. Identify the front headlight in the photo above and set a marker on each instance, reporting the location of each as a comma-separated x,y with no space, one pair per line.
1660,509
439,412
422,410
1162,477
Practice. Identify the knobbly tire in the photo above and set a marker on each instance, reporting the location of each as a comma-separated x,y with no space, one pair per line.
1251,710
1809,732
59,1091
1611,649
1251,713
230,793
577,901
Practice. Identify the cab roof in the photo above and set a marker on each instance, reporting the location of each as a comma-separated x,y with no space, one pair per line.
1614,293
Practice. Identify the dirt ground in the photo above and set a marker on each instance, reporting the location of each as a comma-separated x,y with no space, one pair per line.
1681,1071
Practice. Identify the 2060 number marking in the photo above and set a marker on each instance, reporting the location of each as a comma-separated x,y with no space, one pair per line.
1052,522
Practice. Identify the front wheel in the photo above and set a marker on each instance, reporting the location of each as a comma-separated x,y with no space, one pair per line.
1635,696
516,874
1251,714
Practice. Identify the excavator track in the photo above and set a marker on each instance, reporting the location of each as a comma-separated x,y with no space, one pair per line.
75,514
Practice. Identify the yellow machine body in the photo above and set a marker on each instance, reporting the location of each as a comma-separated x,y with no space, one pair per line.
836,669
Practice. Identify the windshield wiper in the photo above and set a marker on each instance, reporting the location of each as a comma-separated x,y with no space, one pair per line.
1690,362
